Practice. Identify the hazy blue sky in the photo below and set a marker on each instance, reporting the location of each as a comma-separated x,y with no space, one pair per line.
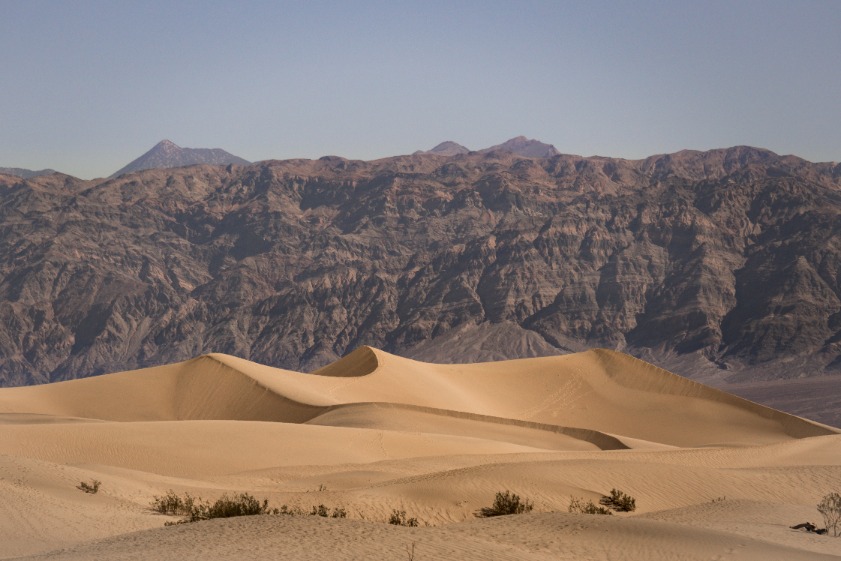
88,86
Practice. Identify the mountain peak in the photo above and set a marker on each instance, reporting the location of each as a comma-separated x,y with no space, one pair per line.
447,148
167,154
522,146
166,143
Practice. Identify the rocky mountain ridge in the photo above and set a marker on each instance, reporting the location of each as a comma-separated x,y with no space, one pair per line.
519,146
726,261
25,173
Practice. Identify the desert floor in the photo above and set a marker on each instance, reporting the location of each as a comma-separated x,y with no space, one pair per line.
714,476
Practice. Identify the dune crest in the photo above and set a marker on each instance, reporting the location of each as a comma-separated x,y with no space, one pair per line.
601,391
361,362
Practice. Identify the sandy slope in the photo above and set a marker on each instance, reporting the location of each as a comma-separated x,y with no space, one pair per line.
374,432
543,537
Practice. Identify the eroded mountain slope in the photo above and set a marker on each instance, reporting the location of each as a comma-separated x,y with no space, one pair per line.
730,257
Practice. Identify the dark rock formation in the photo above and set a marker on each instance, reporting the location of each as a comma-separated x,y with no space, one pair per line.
727,260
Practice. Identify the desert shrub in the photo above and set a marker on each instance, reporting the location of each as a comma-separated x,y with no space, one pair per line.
830,509
398,518
506,503
290,511
227,507
320,510
173,505
166,504
323,511
617,500
91,487
578,506
195,509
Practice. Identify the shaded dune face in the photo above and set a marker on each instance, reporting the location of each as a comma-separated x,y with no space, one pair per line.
598,397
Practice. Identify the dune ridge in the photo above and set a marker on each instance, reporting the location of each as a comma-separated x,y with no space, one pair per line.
205,387
360,362
599,439
667,382
599,390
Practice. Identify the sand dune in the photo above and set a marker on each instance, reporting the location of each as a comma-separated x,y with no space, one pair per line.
201,388
597,390
713,474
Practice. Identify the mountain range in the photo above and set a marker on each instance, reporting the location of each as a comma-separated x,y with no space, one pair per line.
166,154
722,265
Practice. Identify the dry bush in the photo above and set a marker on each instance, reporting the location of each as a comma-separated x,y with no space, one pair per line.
91,487
398,518
830,509
578,506
506,503
291,511
195,509
323,511
619,501
173,505
227,507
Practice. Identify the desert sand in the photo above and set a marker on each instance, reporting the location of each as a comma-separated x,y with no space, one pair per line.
714,476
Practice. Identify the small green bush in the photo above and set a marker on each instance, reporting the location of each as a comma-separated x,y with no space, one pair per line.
578,506
92,487
619,501
506,503
398,518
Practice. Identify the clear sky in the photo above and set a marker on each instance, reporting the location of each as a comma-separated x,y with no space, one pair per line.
88,86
